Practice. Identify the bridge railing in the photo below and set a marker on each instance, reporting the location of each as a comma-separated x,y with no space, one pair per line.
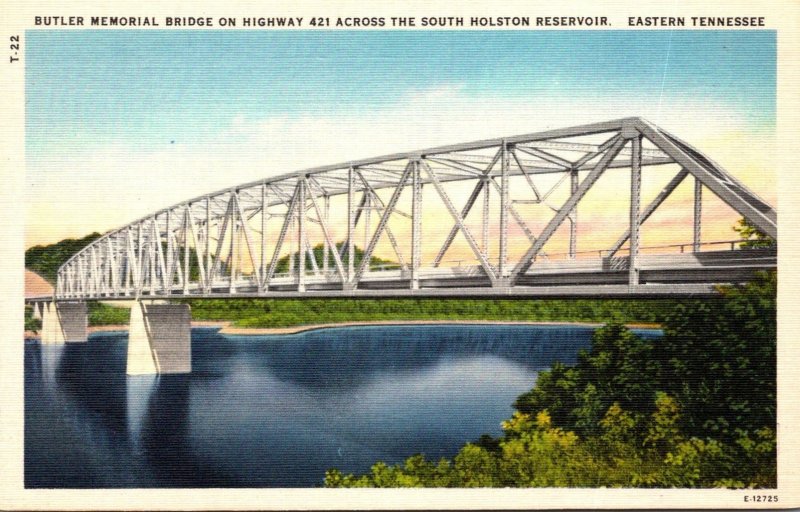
681,248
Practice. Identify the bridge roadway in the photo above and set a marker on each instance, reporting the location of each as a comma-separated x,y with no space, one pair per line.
662,275
231,243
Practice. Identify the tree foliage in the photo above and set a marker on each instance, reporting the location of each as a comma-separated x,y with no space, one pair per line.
288,312
318,251
752,237
45,260
694,408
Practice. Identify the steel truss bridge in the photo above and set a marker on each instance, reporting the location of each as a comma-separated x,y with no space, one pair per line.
297,234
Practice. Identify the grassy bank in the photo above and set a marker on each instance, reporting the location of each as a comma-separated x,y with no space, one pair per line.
274,313
265,313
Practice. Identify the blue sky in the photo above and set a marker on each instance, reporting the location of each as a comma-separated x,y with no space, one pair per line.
148,85
165,115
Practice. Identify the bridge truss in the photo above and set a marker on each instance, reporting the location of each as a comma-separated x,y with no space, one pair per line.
317,232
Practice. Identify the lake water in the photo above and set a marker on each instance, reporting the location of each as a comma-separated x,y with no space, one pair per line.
276,411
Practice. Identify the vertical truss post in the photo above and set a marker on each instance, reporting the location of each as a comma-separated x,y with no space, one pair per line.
128,279
81,275
416,225
504,204
698,211
120,265
351,227
264,217
209,270
160,253
169,277
485,223
301,236
367,217
200,265
326,247
292,255
112,263
186,270
234,240
151,249
573,216
223,229
636,191
140,260
94,272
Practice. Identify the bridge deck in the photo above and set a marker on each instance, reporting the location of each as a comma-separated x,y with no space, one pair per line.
686,274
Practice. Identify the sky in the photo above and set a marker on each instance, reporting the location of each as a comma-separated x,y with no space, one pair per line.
123,123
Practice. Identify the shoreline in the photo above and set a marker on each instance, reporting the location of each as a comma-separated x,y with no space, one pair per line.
226,327
244,331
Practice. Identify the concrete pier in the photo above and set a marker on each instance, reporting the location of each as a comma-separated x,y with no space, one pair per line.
37,310
64,322
159,339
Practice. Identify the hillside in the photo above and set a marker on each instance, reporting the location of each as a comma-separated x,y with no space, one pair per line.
46,259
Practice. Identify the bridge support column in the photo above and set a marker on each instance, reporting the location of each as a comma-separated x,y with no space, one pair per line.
635,215
159,339
64,322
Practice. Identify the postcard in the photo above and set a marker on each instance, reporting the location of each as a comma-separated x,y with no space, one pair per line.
342,255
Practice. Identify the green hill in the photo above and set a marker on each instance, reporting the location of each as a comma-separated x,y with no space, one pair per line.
46,259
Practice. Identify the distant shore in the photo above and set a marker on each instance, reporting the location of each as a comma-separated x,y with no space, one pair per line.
227,327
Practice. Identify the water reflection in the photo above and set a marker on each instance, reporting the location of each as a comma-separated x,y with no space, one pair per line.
338,360
93,376
275,411
49,360
138,390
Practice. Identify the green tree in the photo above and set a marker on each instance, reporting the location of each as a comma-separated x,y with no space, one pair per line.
694,408
752,237
45,260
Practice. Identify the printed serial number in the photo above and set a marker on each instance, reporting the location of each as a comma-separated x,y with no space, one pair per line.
761,499
14,46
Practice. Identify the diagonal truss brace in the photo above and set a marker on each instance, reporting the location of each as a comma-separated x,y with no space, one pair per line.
527,260
387,212
380,206
487,267
648,211
324,225
248,238
287,221
467,207
733,193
